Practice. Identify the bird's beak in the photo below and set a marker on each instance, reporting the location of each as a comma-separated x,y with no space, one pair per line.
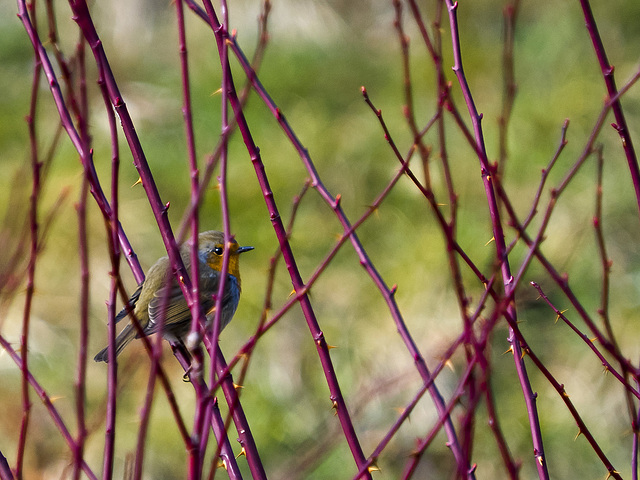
244,249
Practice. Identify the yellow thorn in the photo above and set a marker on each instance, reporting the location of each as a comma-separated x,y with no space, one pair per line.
448,363
540,460
577,435
222,464
561,314
139,181
331,346
442,204
293,292
509,350
242,452
493,239
237,387
55,398
334,405
373,468
217,92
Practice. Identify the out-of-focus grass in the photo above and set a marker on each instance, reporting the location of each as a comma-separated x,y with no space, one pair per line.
317,58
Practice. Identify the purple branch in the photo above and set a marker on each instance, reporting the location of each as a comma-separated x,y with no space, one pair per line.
423,444
5,470
587,341
33,252
335,205
323,350
81,374
501,250
84,276
83,18
145,413
636,445
42,58
610,82
461,459
198,447
48,404
114,254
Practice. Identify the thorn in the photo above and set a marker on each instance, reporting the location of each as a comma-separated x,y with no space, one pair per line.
394,289
493,239
560,315
55,398
509,350
373,467
222,464
577,435
400,410
334,406
331,346
540,460
242,452
448,363
138,182
237,387
216,92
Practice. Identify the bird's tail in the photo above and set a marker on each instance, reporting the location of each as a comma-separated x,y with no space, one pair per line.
123,338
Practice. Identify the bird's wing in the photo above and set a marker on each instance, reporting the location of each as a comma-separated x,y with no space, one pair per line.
131,304
170,302
175,307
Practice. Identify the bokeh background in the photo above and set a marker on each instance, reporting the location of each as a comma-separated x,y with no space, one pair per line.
318,56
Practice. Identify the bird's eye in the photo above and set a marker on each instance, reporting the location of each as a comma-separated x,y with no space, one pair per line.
218,250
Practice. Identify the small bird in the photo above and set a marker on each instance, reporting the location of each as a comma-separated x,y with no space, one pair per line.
159,293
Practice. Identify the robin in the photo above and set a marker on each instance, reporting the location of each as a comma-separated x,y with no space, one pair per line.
159,293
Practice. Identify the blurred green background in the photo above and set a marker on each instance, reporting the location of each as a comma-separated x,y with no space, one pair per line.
318,56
